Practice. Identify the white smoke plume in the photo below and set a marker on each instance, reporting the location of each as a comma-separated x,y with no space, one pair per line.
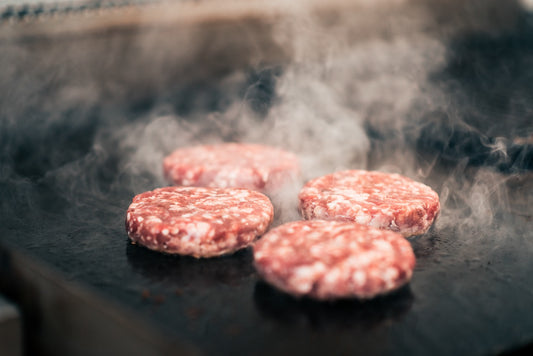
341,75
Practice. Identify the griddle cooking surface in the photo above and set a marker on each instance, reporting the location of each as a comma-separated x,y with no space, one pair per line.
465,298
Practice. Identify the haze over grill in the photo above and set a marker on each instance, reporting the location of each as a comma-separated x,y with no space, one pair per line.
96,121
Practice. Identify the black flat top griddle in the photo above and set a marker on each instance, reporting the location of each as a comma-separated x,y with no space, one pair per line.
63,207
469,294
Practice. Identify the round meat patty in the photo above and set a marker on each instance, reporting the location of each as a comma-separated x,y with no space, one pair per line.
251,166
201,222
332,259
381,200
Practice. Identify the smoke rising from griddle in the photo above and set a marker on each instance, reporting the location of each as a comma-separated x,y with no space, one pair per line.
340,85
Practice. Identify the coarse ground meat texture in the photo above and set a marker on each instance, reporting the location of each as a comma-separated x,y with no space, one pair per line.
251,166
201,222
329,260
381,200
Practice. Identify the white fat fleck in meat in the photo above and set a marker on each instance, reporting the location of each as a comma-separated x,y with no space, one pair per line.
319,211
390,275
198,229
335,204
285,251
303,278
352,195
315,250
332,276
382,245
359,278
363,219
379,221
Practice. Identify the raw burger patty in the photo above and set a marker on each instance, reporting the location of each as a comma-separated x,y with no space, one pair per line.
202,222
382,200
249,166
332,259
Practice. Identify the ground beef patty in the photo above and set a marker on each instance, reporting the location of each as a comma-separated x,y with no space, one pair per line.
382,200
331,259
249,166
201,222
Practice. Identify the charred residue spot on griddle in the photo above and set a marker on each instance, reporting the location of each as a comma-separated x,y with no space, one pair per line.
232,330
145,294
155,299
158,299
194,312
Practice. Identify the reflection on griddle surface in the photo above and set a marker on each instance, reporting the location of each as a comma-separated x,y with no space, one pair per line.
346,313
184,271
